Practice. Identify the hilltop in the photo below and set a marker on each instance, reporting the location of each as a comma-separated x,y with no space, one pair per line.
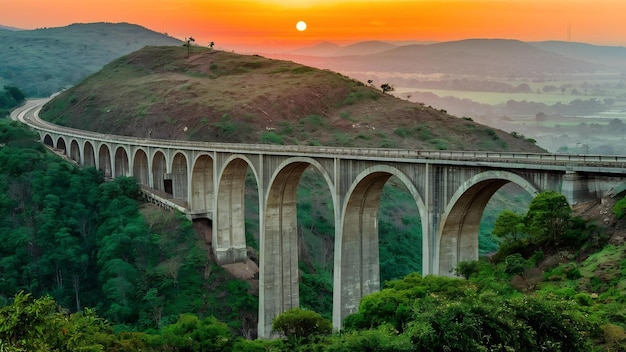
208,95
43,61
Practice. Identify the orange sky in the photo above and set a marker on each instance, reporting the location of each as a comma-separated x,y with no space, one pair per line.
258,24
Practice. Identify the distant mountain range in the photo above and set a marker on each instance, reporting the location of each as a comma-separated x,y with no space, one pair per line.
609,56
9,28
43,61
485,57
361,48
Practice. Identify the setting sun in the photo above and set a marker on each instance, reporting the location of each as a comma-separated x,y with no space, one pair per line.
301,26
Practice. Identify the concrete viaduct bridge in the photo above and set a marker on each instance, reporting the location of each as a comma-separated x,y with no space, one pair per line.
450,189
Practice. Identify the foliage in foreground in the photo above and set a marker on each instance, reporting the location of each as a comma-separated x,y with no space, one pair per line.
458,316
40,325
413,314
67,234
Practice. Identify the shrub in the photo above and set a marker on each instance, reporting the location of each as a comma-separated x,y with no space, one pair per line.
301,324
619,209
467,269
271,138
514,264
614,337
573,273
383,339
583,299
190,333
402,132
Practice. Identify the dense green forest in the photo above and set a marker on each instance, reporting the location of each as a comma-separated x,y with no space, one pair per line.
88,243
10,98
86,265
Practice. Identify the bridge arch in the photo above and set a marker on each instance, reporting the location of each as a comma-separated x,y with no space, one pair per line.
61,145
202,192
122,163
89,155
357,271
141,167
279,271
180,176
458,235
47,140
159,172
229,232
74,153
104,160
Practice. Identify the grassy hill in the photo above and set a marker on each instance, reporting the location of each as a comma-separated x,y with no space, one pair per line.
205,95
43,61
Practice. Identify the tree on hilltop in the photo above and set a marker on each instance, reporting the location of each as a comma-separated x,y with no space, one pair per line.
386,87
188,44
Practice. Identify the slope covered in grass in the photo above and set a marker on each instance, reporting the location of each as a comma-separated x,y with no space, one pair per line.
206,95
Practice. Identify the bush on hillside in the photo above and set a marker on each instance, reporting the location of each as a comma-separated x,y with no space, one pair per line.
301,325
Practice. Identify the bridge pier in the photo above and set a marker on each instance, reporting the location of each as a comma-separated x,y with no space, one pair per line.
575,188
230,255
229,229
357,265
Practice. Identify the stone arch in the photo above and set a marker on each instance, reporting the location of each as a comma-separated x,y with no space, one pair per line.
279,272
457,239
89,155
61,145
74,151
159,172
229,237
104,161
357,271
47,140
202,192
179,176
122,164
141,168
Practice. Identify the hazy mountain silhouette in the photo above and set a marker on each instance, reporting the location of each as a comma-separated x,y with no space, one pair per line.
321,49
365,48
485,57
609,56
7,28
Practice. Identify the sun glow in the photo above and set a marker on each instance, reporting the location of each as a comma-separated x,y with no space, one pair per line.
301,26
248,24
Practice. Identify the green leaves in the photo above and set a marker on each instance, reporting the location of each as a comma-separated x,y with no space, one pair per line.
301,325
191,333
447,314
29,324
67,234
548,224
509,225
619,209
10,97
